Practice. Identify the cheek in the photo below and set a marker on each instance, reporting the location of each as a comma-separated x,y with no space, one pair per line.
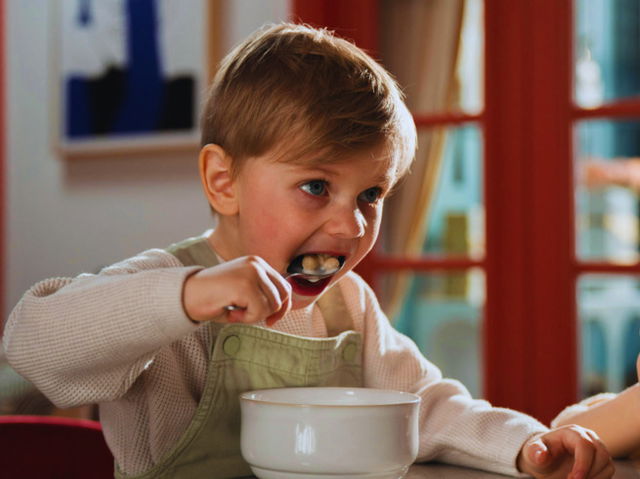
265,222
273,229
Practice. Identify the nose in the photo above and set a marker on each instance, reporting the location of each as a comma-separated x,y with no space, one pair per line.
346,221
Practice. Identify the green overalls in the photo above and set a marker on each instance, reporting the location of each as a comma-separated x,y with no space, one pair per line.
246,357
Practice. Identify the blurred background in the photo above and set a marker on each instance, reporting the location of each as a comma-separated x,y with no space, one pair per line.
511,253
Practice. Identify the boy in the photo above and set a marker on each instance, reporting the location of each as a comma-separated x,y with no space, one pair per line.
304,136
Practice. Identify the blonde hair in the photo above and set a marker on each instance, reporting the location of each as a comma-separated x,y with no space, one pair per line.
308,91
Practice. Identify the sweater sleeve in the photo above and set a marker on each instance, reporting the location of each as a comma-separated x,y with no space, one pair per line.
86,339
454,427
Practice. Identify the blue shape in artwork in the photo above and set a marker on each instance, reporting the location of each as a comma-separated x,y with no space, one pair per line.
129,98
78,121
84,13
144,86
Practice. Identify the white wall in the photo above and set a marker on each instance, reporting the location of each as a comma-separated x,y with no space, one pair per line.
65,217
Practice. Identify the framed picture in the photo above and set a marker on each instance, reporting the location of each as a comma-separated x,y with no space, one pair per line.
131,75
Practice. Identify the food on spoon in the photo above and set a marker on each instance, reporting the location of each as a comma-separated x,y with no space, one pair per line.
310,263
331,264
323,263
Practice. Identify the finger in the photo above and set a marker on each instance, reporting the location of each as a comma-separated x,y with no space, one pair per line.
271,319
606,473
285,308
249,308
264,294
583,456
538,454
275,291
284,289
536,457
275,317
602,459
235,315
278,290
259,306
261,296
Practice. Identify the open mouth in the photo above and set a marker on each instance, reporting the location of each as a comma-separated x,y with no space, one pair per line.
313,272
316,264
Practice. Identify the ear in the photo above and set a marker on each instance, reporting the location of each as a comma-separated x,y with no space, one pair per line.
217,181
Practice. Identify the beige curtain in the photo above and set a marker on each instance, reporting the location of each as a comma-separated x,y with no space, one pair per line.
421,42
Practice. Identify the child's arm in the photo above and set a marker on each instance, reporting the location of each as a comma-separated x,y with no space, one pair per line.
454,428
87,339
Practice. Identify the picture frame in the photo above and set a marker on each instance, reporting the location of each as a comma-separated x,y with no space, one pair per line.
130,77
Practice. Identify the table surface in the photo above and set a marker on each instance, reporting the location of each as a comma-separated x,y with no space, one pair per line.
624,470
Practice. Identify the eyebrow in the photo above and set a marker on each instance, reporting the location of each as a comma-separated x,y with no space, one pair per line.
384,181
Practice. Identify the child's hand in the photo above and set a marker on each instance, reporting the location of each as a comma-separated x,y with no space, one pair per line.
248,282
567,452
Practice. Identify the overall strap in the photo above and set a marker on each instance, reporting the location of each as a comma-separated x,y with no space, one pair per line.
334,311
194,252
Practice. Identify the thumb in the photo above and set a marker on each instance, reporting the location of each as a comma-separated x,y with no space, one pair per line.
538,454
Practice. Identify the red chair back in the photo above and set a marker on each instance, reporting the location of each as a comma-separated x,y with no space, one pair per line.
47,447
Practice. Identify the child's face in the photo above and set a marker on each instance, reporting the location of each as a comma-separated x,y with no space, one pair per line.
286,210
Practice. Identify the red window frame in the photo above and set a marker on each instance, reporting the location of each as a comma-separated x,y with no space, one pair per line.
531,117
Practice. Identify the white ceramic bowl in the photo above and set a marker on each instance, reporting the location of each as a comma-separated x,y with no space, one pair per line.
306,433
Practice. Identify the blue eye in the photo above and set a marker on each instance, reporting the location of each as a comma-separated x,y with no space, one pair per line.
371,195
315,187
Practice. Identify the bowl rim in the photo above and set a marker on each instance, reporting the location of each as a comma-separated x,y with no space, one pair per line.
411,398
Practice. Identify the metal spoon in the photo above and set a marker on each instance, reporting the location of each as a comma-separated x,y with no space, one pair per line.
316,275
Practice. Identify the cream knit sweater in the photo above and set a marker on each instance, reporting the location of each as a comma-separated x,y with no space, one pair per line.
121,339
